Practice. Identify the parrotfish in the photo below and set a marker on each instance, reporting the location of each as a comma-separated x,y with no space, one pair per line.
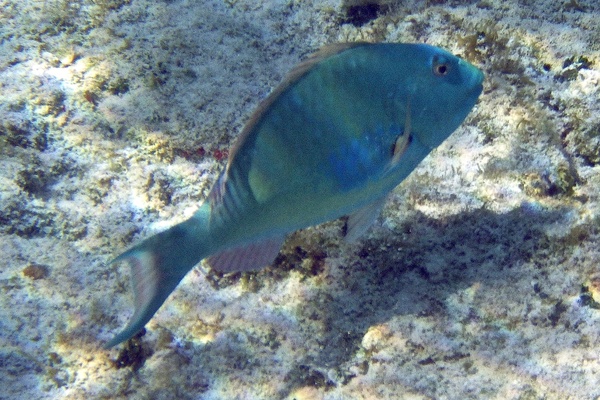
344,129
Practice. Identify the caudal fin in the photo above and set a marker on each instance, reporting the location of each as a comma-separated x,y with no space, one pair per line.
157,266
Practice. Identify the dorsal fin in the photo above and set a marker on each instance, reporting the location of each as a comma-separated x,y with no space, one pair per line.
298,72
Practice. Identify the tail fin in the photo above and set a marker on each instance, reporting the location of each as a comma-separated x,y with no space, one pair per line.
159,263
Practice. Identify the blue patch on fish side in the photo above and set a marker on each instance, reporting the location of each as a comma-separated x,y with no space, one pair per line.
363,157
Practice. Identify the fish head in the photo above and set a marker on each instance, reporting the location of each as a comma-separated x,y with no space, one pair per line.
444,90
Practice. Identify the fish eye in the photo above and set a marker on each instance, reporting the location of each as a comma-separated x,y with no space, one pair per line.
441,66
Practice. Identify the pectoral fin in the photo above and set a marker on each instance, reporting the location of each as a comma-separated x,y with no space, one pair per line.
403,140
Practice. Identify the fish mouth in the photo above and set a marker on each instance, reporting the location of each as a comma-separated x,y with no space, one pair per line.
474,77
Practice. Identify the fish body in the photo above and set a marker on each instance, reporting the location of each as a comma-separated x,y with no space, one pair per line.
346,127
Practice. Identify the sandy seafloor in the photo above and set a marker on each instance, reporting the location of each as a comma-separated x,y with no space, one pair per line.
481,279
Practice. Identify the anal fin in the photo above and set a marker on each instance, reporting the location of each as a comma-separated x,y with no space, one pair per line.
361,220
247,257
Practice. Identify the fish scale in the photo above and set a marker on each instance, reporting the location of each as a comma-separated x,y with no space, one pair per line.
346,127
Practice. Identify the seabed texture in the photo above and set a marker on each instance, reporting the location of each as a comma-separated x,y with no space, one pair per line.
481,279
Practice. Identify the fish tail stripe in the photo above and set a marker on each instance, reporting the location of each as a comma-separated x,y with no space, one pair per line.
227,197
232,200
230,209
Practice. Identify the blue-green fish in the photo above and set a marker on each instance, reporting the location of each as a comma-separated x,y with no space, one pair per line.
346,126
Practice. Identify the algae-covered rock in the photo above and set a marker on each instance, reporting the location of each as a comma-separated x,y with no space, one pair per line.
479,280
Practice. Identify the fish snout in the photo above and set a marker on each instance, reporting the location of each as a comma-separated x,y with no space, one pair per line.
474,77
